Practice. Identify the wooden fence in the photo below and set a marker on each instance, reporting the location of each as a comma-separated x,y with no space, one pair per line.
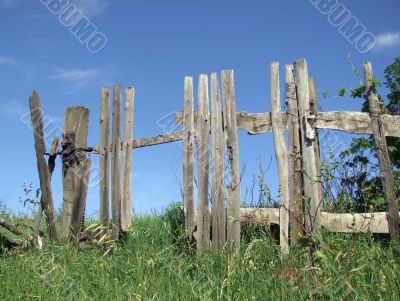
219,225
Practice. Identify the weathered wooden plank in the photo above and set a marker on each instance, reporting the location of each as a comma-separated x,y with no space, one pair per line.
232,149
203,165
281,157
218,187
313,111
310,180
188,157
104,159
75,135
295,166
126,201
382,153
44,174
116,163
160,139
349,122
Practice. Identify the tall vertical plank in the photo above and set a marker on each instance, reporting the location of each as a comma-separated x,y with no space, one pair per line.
116,163
75,134
383,155
313,111
104,160
188,161
307,140
232,149
295,174
126,205
203,156
281,157
44,175
218,187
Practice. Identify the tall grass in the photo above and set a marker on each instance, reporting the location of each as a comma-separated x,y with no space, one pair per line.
155,263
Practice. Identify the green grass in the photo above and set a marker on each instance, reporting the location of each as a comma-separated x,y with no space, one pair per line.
155,263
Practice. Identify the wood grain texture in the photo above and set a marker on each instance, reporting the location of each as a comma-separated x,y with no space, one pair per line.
218,187
310,180
116,163
295,175
156,140
203,164
47,202
232,150
126,195
188,157
382,153
104,159
76,122
281,157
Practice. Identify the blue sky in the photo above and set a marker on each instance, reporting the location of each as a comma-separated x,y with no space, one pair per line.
152,45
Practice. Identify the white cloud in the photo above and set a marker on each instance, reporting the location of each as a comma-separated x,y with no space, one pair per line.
387,40
77,78
6,60
13,109
92,8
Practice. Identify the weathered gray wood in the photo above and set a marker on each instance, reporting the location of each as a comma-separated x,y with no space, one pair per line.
232,149
104,159
44,175
313,111
218,187
116,163
281,157
188,153
203,165
76,123
295,167
126,203
382,153
308,154
160,139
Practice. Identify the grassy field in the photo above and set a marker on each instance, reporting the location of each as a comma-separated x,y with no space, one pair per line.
154,263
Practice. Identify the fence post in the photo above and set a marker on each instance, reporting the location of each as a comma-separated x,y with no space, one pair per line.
311,192
188,153
232,149
218,187
313,112
203,164
116,163
75,170
47,203
104,160
126,203
383,155
295,174
281,157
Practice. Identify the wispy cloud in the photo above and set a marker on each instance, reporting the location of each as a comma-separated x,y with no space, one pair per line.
387,40
7,3
13,109
92,8
6,60
77,78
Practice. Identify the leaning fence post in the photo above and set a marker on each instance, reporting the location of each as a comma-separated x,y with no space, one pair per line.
104,160
203,167
188,161
295,174
116,163
217,157
311,192
126,202
44,174
281,157
232,149
383,155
